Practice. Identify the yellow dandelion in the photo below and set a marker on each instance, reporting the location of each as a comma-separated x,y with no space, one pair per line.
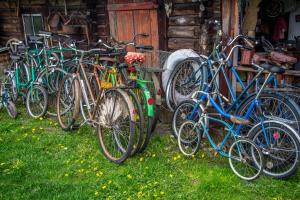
140,194
162,193
33,130
108,198
96,193
129,176
202,155
141,159
104,187
109,182
128,198
100,173
174,158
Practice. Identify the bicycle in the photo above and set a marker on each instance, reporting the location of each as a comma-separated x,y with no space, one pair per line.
112,111
143,81
285,141
288,108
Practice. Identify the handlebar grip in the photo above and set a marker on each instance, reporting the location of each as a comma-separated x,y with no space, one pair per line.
145,47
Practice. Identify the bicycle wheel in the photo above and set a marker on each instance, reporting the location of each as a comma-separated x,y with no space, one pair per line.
188,76
280,147
155,89
116,125
148,120
50,77
36,101
10,84
11,109
246,159
139,122
274,107
68,102
182,111
189,138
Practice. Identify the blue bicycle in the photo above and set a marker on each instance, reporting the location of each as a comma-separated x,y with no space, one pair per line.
273,104
279,142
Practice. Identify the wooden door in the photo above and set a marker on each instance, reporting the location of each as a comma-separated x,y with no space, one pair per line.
128,19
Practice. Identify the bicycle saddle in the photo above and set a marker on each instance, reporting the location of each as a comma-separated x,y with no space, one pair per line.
238,120
273,68
134,56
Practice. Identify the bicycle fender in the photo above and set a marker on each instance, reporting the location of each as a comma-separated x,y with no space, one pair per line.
150,108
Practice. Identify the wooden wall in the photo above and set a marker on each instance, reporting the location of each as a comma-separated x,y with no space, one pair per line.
189,28
11,16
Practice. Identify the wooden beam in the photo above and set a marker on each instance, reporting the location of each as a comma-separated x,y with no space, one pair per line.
132,6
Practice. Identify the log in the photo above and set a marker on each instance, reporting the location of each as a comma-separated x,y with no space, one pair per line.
184,20
182,43
184,31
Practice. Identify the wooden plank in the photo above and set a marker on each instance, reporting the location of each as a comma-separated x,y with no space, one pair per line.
132,6
154,37
184,21
113,24
184,31
182,43
125,27
6,4
186,1
139,18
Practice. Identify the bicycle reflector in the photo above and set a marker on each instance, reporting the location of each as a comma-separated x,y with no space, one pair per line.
159,91
150,100
276,135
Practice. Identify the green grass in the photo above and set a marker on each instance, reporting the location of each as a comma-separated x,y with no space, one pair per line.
40,161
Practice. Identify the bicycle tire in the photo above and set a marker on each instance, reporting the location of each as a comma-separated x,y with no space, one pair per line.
148,120
189,105
193,139
270,156
41,104
73,108
292,109
139,122
254,152
109,120
47,76
11,109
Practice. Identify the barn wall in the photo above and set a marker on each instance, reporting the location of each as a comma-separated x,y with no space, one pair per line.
189,28
11,16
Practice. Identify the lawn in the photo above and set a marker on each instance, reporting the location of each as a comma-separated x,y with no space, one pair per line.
40,161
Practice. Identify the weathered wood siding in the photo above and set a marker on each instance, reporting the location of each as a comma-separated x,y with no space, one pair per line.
188,27
11,16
